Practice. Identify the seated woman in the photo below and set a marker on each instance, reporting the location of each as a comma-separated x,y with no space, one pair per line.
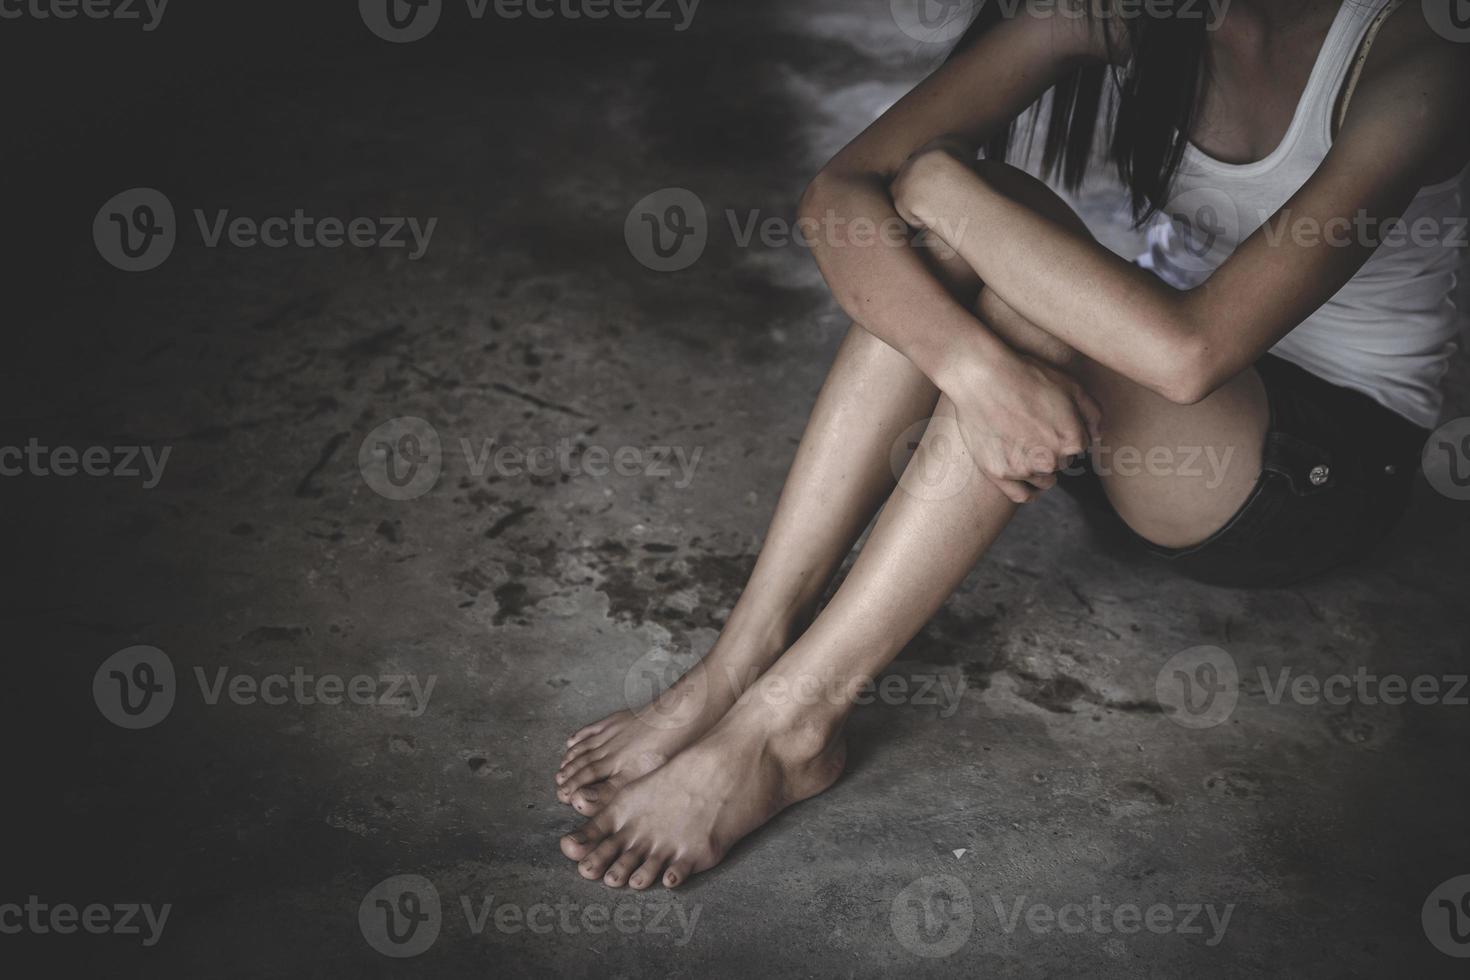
1281,321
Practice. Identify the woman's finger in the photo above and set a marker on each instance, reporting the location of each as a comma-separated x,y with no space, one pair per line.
1017,491
1091,413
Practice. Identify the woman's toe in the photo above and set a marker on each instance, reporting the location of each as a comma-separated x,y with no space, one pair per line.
584,746
587,730
678,873
647,873
590,799
580,773
625,865
579,842
595,864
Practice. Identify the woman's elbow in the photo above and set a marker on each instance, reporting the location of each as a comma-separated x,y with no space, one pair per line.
817,197
1191,372
1187,366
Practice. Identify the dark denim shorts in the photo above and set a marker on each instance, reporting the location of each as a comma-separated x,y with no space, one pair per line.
1337,470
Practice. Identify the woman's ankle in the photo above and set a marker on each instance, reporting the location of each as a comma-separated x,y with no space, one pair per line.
798,712
748,645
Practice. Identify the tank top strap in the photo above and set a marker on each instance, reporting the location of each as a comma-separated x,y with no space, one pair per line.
1355,18
1360,59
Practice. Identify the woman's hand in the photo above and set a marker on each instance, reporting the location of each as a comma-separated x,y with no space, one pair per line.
1022,420
915,181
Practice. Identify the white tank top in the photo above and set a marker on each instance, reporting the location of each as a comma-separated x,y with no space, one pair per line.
1390,331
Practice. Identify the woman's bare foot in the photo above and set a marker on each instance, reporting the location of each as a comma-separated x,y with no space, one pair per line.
607,754
684,817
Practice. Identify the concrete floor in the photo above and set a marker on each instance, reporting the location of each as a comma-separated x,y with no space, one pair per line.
539,603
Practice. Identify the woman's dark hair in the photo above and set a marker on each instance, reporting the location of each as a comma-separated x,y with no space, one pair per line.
1153,106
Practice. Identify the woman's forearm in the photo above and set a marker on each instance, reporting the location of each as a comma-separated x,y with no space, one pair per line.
1065,282
880,280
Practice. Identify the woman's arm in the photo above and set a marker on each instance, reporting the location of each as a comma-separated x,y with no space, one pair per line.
886,287
1405,128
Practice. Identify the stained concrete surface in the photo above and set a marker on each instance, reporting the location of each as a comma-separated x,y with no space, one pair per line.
539,603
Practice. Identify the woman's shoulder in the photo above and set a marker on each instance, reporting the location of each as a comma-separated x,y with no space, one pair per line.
1415,79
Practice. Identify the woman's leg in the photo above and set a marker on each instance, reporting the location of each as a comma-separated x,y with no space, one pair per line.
842,472
782,742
